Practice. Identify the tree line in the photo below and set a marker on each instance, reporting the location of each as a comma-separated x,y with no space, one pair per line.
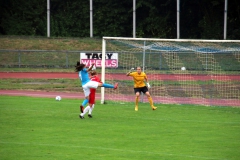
199,19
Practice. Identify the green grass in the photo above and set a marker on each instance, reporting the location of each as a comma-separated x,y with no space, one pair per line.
57,84
42,128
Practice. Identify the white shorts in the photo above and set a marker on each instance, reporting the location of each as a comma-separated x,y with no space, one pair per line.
87,86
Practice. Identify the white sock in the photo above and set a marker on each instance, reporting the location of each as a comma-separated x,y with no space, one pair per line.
91,109
85,110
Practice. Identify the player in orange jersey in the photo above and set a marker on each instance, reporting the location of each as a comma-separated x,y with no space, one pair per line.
139,86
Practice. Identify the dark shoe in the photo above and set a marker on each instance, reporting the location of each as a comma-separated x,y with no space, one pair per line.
116,86
81,117
81,108
90,116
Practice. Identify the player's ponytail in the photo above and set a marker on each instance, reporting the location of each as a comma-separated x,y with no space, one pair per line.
79,67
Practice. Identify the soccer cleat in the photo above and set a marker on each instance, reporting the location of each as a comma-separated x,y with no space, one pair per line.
136,108
154,108
89,115
116,86
81,117
81,108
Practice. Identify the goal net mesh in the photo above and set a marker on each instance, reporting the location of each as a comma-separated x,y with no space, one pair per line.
211,75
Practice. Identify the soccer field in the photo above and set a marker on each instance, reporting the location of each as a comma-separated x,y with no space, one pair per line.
42,128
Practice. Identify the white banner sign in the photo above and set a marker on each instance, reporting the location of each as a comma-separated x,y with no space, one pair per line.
111,59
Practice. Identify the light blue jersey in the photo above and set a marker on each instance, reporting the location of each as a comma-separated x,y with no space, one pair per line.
83,75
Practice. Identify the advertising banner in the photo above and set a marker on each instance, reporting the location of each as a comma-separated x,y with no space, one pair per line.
111,59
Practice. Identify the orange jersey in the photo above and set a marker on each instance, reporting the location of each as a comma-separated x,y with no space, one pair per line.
138,79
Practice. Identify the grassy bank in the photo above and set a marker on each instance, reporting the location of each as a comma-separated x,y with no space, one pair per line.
61,54
44,43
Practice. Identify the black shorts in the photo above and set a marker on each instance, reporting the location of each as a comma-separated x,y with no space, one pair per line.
142,89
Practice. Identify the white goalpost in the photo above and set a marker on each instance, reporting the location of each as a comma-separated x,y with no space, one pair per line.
180,71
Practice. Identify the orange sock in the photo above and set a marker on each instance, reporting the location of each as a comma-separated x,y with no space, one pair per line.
136,101
150,101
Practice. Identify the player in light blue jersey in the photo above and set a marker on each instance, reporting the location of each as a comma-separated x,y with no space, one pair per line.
87,83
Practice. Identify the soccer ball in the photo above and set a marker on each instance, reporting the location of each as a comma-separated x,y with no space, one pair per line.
58,98
183,68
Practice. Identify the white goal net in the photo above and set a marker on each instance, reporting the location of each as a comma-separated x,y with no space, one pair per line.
205,72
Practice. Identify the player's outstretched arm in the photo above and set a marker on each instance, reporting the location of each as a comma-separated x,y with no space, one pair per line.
90,68
131,70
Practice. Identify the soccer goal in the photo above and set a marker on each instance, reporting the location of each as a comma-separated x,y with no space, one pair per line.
180,71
